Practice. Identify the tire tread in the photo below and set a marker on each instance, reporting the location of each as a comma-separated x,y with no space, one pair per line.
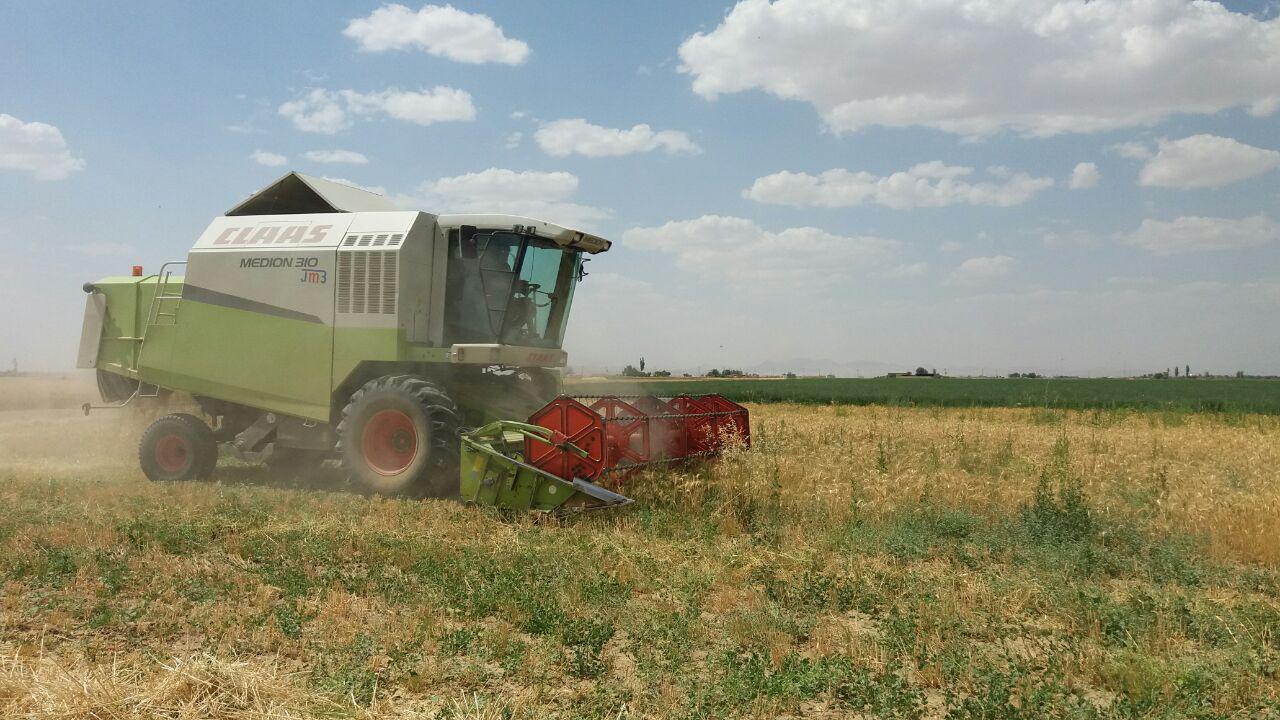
205,446
439,479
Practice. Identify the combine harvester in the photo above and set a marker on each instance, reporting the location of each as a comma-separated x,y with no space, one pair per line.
315,320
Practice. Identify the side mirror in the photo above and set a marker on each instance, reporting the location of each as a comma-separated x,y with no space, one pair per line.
467,242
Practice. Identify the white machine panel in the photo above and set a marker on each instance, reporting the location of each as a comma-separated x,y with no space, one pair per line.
275,265
274,231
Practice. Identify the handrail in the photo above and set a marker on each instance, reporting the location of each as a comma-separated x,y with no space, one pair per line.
162,285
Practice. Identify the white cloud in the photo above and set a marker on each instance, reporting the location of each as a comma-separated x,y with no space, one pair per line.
327,112
423,107
907,270
513,140
1040,67
950,246
541,195
738,250
1191,233
317,111
1085,175
496,184
518,114
577,136
37,148
443,31
1131,150
979,271
336,156
1202,161
931,184
270,159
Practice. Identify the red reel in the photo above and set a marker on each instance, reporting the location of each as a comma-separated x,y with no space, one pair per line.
579,425
626,432
701,431
620,437
666,435
737,423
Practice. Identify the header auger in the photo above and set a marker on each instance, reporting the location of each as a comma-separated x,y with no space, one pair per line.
559,459
316,321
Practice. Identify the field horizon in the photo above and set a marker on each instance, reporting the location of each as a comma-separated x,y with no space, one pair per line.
1247,395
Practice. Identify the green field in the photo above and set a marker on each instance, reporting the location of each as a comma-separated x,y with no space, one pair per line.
1214,395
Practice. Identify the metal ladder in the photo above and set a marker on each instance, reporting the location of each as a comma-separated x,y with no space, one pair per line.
157,309
156,313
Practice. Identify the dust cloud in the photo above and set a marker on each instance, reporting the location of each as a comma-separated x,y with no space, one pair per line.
43,430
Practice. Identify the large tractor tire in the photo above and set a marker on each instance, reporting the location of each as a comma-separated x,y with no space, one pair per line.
178,447
399,436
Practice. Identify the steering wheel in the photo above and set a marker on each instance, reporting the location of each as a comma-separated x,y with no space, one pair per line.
531,290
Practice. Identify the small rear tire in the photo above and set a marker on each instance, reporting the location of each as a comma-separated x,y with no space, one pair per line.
399,436
177,447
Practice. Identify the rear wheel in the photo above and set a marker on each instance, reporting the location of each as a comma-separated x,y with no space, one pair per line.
177,447
399,436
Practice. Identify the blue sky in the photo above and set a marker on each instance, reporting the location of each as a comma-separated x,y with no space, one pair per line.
927,214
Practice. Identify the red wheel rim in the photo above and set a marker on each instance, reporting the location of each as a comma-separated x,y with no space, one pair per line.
172,452
389,442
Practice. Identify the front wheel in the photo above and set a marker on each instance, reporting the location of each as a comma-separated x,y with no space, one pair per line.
399,436
177,447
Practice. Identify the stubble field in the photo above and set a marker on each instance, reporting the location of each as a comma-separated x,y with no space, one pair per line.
856,561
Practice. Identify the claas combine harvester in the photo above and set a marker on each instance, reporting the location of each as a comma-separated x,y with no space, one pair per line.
316,321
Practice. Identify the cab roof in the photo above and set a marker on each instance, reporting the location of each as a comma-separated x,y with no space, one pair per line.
560,235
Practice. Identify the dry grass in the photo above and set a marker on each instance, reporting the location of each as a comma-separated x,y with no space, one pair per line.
873,561
1177,472
195,687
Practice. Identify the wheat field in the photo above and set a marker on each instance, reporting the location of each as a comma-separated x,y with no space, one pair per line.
854,562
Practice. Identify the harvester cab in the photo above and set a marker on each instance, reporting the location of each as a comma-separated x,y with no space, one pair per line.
316,320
